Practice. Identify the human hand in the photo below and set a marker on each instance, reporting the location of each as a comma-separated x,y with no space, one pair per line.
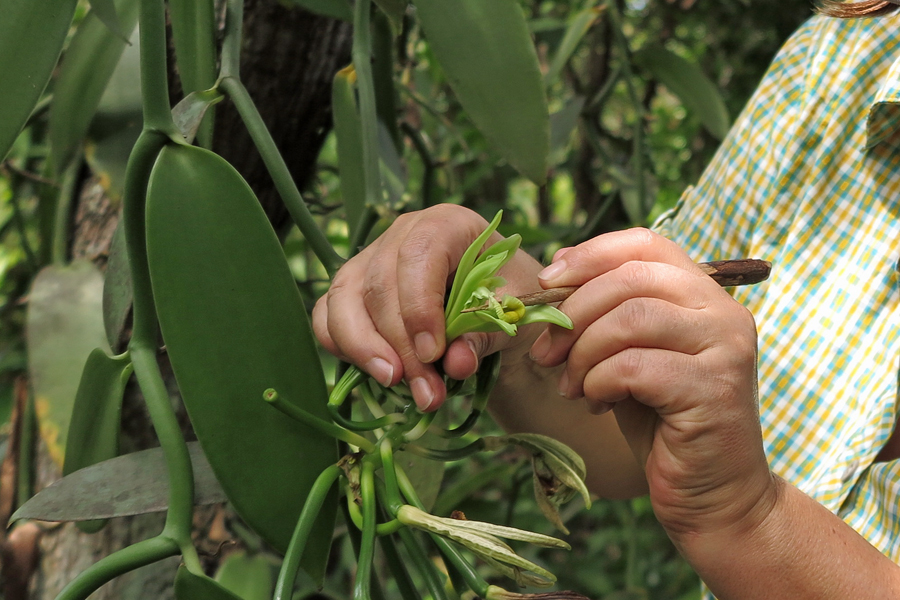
385,309
675,356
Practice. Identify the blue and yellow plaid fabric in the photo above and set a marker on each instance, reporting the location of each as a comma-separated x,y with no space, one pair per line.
809,178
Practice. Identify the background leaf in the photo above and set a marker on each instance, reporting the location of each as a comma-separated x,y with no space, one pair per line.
685,79
486,52
64,325
199,587
234,325
86,69
249,577
96,416
32,33
133,484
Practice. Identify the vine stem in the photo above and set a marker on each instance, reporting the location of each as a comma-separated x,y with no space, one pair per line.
231,44
280,174
107,568
317,494
143,347
154,69
362,588
326,427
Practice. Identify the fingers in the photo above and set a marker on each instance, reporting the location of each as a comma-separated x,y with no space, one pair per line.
425,257
630,281
638,323
582,263
384,311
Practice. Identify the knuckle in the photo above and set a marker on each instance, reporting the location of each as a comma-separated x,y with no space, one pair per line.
636,275
642,236
634,315
629,364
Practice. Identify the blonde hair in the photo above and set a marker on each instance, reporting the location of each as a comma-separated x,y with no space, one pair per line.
863,8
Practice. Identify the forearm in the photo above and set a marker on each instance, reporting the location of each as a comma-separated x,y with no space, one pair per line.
526,399
799,550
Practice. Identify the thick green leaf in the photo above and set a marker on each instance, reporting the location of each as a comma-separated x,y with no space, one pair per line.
32,33
86,69
336,9
249,577
486,51
199,587
580,24
348,134
133,484
96,417
64,325
685,79
194,33
117,292
234,325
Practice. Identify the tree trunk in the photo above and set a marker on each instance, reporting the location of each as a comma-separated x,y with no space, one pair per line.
289,59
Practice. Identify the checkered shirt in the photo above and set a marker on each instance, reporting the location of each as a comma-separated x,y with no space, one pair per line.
809,179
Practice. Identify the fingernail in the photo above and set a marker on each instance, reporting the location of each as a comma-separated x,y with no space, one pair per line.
540,348
422,392
599,408
563,388
553,271
381,370
471,346
426,347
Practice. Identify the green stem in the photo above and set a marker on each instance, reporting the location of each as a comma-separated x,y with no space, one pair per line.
426,568
463,428
420,428
335,431
351,378
362,63
143,345
284,587
231,44
446,455
280,174
398,569
370,425
385,528
363,584
392,489
367,221
154,69
125,560
616,21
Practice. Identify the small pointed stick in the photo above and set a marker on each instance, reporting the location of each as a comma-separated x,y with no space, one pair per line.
742,271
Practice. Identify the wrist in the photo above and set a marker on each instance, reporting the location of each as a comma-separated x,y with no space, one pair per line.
720,552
